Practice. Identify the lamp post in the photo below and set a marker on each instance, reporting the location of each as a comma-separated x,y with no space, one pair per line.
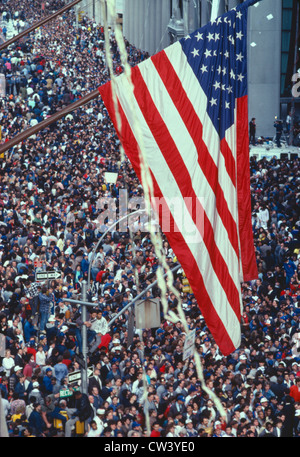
84,304
103,236
84,384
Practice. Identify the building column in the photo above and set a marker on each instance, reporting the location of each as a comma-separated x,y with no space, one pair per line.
141,24
165,17
233,4
191,16
205,12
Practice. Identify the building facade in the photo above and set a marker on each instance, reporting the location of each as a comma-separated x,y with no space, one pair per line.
273,44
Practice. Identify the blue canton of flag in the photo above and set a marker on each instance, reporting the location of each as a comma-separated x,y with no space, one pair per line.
217,55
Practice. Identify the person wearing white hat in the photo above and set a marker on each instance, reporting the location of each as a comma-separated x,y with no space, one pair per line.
35,395
99,417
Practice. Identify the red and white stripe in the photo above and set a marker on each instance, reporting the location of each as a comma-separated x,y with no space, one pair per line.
187,160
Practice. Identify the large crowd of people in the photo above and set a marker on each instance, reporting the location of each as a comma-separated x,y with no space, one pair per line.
53,188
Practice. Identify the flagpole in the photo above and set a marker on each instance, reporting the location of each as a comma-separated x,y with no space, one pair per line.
46,122
214,9
38,24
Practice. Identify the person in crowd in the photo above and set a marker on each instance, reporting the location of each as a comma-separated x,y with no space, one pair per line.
54,202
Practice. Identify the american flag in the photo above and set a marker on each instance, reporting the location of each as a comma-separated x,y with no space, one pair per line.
191,106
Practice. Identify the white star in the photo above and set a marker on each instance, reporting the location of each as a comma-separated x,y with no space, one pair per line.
213,101
226,54
229,88
219,69
239,35
241,77
187,37
199,36
219,20
224,71
203,68
239,15
195,52
223,87
207,53
227,105
215,53
230,38
217,85
217,36
232,75
239,57
210,37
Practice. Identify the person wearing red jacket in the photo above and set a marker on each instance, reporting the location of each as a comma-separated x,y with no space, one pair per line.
295,390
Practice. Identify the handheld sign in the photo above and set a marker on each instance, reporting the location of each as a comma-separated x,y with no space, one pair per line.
189,345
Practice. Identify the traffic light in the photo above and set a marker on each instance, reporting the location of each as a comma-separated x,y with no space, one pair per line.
186,285
80,15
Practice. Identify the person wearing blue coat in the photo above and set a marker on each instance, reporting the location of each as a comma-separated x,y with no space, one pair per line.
29,329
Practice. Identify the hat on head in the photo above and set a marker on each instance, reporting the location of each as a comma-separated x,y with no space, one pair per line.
18,368
100,411
135,424
35,384
180,398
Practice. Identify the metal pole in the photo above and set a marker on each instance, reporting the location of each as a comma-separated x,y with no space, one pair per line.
38,24
103,236
84,339
140,295
46,122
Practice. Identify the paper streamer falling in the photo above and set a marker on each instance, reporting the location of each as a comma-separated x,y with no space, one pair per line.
147,185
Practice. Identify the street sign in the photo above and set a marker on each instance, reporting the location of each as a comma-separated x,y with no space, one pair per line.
47,275
65,393
189,345
80,360
76,375
147,313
